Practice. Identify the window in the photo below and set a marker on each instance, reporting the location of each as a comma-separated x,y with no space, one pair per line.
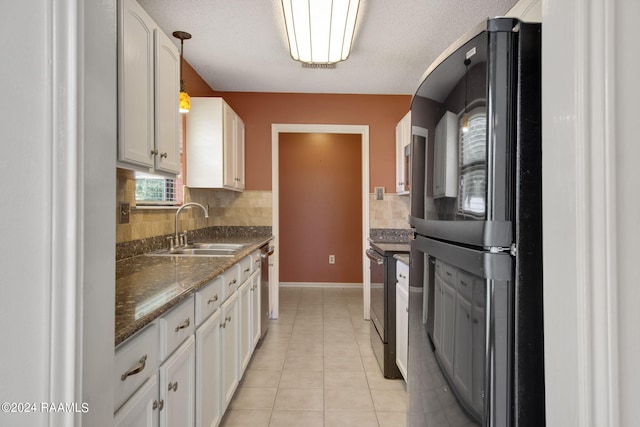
157,190
473,164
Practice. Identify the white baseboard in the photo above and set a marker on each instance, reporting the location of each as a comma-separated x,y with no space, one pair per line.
319,285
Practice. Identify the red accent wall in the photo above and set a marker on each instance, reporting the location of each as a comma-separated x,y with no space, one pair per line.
260,110
320,207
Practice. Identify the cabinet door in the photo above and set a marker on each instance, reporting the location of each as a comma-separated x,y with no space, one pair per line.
141,410
245,325
448,325
230,352
463,357
402,329
403,139
255,307
135,85
437,311
167,88
177,387
228,138
208,367
239,149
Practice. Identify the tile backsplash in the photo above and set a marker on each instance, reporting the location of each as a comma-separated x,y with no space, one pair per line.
226,208
230,208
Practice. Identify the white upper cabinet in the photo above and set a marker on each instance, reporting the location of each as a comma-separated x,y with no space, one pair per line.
148,88
215,145
403,145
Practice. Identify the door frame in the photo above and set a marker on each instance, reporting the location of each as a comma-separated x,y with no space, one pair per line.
274,269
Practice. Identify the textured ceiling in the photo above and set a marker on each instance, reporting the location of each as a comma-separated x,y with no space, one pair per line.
240,45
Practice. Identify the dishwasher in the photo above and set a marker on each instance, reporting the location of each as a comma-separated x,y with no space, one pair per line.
265,252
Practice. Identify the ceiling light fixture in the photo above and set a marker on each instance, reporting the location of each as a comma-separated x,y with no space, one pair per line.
185,101
320,31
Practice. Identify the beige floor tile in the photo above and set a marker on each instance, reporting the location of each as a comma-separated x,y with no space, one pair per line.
306,348
310,399
261,378
269,363
348,399
334,363
302,379
345,379
254,398
297,419
304,362
390,400
350,419
306,337
392,419
246,417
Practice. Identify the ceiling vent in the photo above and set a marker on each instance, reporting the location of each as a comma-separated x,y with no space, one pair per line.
320,66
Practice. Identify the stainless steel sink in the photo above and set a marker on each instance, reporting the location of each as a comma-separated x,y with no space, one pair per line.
202,249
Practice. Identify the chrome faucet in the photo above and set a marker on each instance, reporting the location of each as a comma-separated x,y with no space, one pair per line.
177,236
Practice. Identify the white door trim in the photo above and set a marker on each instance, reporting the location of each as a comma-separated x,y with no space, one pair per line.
276,129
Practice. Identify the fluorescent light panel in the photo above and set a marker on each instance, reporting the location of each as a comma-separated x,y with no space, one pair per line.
320,31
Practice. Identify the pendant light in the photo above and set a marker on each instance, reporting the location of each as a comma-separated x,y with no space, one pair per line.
465,115
185,101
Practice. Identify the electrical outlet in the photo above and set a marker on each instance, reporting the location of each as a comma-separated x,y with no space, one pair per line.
332,259
379,193
124,213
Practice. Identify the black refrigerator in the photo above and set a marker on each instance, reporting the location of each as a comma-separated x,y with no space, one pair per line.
475,311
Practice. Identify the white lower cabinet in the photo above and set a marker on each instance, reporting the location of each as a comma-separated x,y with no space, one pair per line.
402,317
141,410
177,386
208,368
246,337
256,326
202,349
230,350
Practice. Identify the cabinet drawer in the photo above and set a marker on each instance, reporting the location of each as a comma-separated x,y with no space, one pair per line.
255,261
465,285
231,281
402,275
245,269
135,360
449,274
208,299
175,327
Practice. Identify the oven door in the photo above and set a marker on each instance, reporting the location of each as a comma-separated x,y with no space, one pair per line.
377,311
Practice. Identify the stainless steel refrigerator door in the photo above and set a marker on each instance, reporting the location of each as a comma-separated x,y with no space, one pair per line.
473,288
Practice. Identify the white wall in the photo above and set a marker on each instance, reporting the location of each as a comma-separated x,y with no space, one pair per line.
591,229
57,223
25,170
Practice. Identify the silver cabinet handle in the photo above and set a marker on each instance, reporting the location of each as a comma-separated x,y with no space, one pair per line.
246,270
233,282
213,299
227,319
223,324
163,155
154,152
184,324
252,289
136,369
158,405
173,386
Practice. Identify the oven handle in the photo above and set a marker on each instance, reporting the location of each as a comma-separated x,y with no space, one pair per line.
375,256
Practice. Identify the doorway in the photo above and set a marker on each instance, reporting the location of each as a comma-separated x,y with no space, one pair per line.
363,131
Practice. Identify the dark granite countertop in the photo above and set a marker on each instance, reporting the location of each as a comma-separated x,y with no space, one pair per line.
149,286
390,247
